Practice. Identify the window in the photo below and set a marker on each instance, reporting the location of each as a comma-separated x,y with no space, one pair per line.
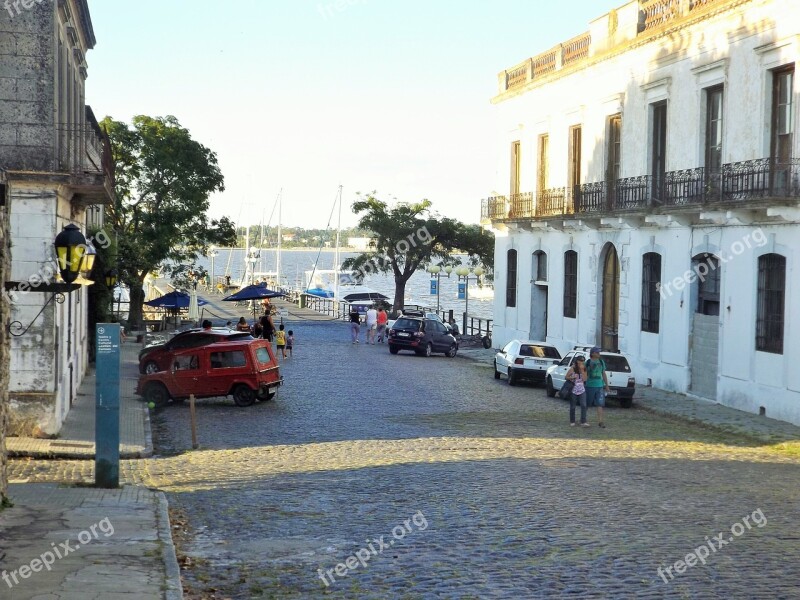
658,167
541,266
575,161
782,121
714,129
227,360
614,156
539,351
708,272
262,354
186,363
515,167
771,306
543,174
570,284
651,300
511,278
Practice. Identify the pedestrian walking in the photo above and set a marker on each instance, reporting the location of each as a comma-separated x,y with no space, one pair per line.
290,342
355,324
383,319
596,383
267,327
577,375
372,325
280,340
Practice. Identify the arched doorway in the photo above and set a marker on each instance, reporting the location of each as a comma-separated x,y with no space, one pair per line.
609,320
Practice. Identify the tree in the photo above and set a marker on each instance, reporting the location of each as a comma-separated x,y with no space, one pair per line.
407,237
163,180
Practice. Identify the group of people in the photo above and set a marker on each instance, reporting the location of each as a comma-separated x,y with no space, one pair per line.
375,321
265,328
590,385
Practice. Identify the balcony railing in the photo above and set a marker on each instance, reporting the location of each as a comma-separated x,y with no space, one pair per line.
748,181
84,149
576,49
658,12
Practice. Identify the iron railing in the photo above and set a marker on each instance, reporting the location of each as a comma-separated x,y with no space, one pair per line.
591,197
551,202
84,149
632,193
495,208
685,187
763,178
521,206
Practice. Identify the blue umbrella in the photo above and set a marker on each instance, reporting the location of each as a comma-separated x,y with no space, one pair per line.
256,291
174,300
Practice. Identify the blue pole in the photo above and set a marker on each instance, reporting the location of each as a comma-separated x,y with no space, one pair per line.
106,433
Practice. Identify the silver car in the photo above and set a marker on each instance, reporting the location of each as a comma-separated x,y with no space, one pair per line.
525,360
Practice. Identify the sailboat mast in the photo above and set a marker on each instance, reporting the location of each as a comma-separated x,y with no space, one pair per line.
337,262
280,240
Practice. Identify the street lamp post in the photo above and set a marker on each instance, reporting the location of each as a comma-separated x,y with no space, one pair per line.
436,273
464,273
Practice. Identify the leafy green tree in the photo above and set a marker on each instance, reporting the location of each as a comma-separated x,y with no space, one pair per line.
408,237
163,180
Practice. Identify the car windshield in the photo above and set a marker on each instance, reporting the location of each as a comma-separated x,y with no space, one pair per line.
616,363
539,351
403,323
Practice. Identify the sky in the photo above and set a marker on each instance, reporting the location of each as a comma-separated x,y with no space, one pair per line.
298,97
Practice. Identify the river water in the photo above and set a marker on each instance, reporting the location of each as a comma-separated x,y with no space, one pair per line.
294,264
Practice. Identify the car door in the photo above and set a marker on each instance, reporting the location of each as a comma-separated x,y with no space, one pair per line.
505,357
186,374
442,343
559,374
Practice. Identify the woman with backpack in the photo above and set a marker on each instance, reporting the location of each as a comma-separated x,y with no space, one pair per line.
596,383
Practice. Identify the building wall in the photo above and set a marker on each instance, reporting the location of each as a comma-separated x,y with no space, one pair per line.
738,48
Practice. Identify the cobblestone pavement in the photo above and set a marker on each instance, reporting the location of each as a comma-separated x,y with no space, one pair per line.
477,490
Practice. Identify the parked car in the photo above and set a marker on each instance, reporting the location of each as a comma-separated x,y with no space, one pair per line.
525,360
244,369
418,312
158,357
621,382
421,335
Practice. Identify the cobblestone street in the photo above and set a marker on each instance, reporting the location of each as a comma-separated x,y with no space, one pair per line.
477,489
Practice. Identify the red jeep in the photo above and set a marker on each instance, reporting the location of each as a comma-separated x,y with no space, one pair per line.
246,370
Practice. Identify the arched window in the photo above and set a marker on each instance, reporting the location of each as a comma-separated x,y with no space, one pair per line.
570,284
651,298
540,263
771,303
511,278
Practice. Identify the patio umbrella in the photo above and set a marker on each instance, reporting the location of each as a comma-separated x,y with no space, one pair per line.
257,291
194,310
174,300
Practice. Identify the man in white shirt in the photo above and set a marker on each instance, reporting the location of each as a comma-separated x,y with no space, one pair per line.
372,324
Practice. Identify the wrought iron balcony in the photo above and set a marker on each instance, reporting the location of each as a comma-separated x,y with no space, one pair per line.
749,181
83,149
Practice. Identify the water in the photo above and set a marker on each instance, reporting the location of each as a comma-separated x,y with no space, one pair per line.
294,264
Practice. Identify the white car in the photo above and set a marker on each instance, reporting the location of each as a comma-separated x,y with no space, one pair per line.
525,360
621,382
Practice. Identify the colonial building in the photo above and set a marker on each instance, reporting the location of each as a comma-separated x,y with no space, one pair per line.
56,167
648,197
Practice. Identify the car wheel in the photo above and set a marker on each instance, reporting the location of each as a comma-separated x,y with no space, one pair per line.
157,394
243,395
150,368
626,402
551,391
453,351
512,377
394,350
496,372
429,350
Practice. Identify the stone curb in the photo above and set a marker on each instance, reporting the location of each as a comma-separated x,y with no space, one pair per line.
48,454
174,587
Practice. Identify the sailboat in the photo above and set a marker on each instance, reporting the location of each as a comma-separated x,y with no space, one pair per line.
272,278
335,283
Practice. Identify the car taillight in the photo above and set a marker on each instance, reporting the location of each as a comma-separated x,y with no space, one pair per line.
631,382
419,334
519,361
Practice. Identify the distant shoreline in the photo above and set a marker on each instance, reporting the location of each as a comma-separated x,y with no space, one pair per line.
304,249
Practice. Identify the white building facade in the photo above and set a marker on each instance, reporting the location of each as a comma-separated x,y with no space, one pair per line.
649,198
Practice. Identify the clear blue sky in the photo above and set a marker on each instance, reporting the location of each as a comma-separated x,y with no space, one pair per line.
296,94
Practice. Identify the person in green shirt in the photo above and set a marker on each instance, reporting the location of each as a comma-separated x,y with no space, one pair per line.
596,383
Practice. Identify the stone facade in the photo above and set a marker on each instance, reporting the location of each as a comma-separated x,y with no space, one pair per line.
55,161
649,197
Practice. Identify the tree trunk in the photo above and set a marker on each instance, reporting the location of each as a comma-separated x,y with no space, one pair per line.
135,318
399,293
5,309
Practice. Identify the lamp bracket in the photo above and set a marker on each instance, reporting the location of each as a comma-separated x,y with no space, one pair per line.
16,328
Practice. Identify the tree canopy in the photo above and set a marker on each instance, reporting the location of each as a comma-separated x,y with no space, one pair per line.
163,180
408,236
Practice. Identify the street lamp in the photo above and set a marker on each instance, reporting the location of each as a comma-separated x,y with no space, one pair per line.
212,254
70,250
436,273
464,273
